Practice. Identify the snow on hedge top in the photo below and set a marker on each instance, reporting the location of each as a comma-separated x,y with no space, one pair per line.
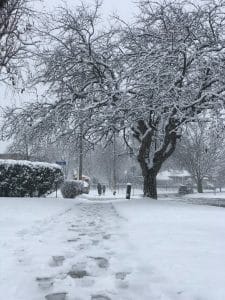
29,163
82,182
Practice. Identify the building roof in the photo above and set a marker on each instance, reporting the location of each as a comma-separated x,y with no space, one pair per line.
169,174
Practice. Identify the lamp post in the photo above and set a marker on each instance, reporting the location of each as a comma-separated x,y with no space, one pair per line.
27,137
80,153
114,163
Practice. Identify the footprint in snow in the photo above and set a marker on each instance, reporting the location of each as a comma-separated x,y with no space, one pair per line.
78,273
82,234
73,229
95,242
106,236
101,262
83,246
100,297
56,261
121,281
121,275
91,223
73,240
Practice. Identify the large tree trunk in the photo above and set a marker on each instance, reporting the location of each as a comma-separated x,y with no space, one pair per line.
199,185
2,3
151,163
150,185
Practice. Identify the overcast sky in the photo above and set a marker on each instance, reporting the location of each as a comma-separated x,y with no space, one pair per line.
124,8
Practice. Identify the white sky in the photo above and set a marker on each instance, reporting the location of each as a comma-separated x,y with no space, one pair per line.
124,8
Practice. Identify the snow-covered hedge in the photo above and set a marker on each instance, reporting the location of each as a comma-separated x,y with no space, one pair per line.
20,178
71,188
84,186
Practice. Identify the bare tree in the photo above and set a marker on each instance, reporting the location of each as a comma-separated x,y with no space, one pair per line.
74,60
175,57
14,27
77,62
201,151
219,176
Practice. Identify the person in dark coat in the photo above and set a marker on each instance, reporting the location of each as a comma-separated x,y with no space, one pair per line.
103,189
99,188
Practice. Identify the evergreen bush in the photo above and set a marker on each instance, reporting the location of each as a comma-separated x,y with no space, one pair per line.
71,188
25,178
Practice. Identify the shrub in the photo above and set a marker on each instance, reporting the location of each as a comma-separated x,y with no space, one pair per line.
25,178
85,186
71,188
86,183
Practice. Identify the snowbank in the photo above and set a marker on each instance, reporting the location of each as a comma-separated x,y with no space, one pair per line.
179,247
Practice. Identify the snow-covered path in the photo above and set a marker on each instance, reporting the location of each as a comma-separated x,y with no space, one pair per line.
90,239
111,249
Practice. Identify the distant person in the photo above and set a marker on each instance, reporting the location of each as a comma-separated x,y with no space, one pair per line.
103,189
99,188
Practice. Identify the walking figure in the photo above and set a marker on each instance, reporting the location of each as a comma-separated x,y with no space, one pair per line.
103,189
99,188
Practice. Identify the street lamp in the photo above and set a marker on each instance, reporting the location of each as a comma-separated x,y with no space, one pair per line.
26,137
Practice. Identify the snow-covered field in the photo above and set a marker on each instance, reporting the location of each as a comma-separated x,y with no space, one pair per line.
111,248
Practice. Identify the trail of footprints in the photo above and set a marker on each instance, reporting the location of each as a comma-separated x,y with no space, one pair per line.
94,230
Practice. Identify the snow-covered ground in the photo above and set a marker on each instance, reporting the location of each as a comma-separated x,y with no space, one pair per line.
208,194
206,198
111,248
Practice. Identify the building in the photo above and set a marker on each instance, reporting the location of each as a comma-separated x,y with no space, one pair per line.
173,178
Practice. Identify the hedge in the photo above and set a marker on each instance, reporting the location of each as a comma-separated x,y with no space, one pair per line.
71,188
20,178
